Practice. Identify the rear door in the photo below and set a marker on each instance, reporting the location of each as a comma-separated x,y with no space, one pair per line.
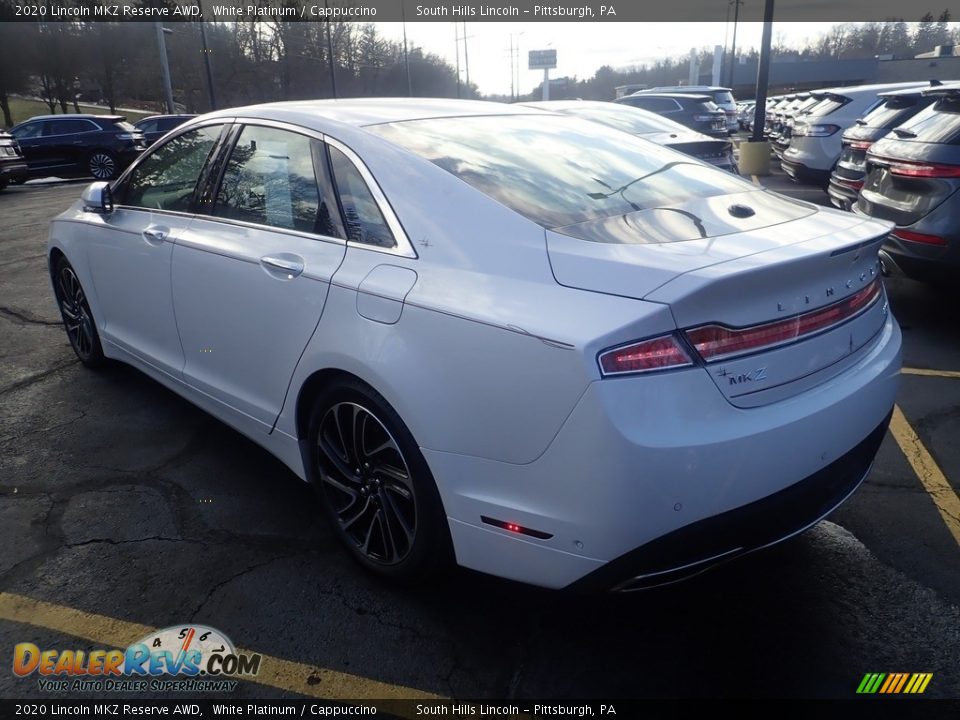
251,275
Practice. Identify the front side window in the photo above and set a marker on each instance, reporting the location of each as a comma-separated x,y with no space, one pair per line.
361,214
167,177
25,132
270,180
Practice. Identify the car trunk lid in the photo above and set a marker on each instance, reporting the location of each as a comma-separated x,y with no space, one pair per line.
786,263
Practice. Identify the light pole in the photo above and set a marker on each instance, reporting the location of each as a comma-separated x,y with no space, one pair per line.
406,57
206,60
165,66
733,43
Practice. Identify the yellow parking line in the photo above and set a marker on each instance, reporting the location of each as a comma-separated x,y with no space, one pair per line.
274,672
931,373
934,481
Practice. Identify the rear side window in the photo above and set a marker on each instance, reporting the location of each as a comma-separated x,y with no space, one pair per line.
938,123
559,170
361,214
270,180
147,125
658,105
70,127
166,178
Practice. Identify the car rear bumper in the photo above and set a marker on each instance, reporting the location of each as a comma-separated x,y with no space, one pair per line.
13,170
661,476
801,173
843,193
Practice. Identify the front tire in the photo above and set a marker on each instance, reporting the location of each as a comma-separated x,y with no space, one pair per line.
102,165
375,485
77,319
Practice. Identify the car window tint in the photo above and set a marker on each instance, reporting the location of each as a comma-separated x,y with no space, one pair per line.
894,111
146,126
362,217
654,104
559,170
25,132
69,127
270,180
938,123
166,178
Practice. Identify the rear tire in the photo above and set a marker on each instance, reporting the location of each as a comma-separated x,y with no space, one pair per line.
374,484
77,319
102,165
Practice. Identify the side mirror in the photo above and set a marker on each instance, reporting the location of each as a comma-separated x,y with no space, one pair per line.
97,197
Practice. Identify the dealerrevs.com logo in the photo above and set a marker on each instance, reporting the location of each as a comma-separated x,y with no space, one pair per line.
190,658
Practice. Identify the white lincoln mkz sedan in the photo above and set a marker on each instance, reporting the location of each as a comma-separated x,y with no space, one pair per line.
546,348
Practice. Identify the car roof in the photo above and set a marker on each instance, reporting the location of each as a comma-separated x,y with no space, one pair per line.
359,112
685,88
160,117
687,96
76,116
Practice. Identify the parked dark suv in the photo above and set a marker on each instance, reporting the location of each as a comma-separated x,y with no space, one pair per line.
12,165
78,145
694,110
156,126
897,107
913,179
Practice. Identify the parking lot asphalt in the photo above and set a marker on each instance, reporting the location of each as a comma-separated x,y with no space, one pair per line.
123,507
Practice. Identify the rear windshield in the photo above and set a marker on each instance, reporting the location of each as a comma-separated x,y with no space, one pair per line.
559,170
123,125
722,97
627,118
709,106
828,105
938,123
893,111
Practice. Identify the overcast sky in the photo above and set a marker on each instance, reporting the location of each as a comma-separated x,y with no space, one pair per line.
581,47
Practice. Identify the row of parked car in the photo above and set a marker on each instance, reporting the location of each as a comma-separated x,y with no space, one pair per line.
77,145
886,151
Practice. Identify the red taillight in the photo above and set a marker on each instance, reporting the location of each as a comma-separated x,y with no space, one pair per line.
924,170
852,184
860,145
714,342
656,354
912,236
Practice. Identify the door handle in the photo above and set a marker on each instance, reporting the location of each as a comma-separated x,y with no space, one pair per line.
155,234
287,263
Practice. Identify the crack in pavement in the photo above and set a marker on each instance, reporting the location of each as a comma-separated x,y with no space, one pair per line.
37,377
24,317
235,576
49,428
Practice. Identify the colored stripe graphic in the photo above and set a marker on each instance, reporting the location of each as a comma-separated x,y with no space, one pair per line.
894,683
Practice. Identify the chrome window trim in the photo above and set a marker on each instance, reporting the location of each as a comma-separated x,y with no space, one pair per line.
271,228
404,247
96,128
156,146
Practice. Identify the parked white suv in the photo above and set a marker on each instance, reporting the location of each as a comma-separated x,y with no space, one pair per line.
722,96
816,142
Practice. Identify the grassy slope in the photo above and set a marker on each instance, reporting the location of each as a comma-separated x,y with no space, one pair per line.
22,109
